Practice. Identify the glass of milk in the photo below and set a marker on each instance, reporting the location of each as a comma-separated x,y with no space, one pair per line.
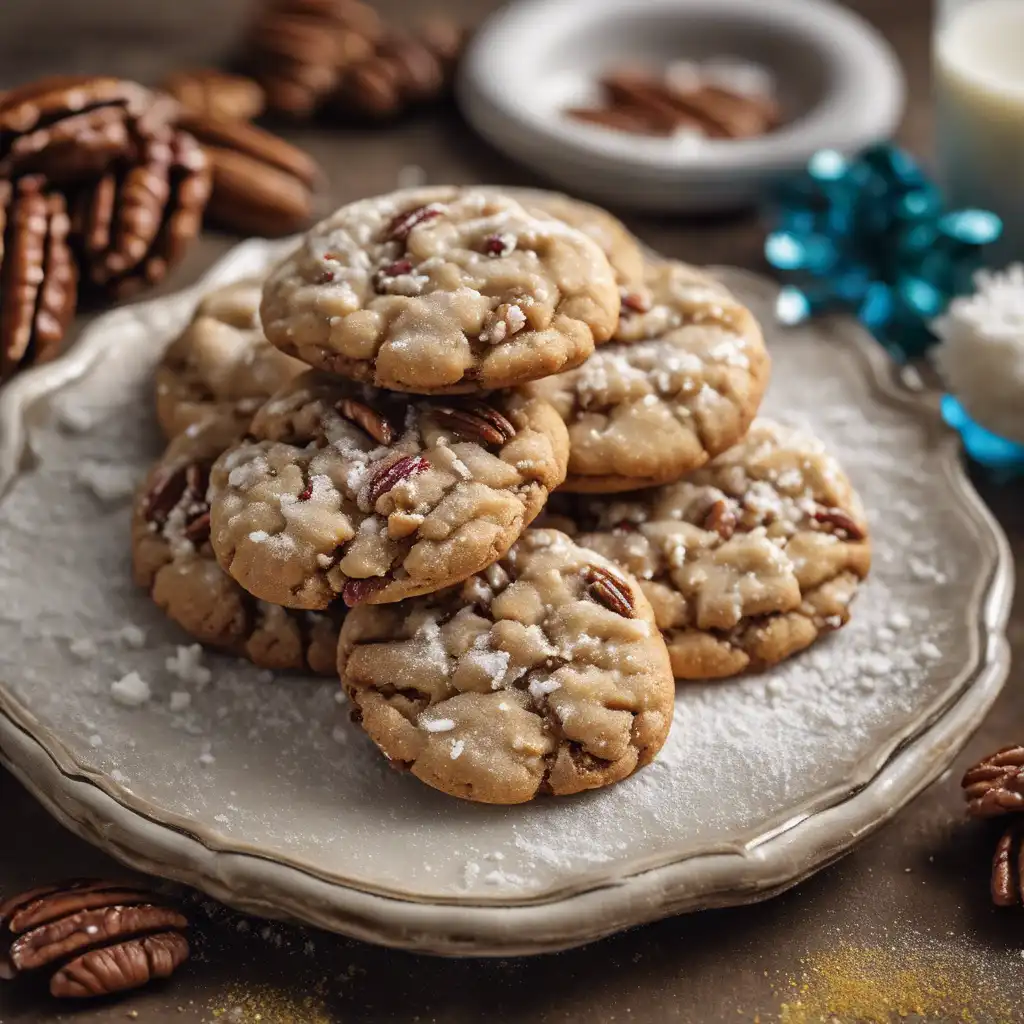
979,82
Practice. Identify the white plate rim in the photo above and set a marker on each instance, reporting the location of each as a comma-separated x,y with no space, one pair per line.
861,59
86,804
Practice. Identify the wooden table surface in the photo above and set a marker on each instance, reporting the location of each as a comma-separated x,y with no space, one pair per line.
907,912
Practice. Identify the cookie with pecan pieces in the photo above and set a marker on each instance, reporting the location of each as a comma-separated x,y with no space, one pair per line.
680,384
745,562
222,363
545,673
347,491
442,291
172,559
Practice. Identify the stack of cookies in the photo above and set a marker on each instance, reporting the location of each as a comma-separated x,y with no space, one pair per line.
362,451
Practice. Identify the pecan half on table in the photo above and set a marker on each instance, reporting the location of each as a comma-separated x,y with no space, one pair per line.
95,937
38,274
68,128
262,185
135,222
995,785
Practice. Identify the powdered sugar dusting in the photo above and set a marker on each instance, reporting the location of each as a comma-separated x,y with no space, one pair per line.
273,763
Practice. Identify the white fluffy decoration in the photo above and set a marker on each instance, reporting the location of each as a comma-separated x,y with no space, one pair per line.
981,356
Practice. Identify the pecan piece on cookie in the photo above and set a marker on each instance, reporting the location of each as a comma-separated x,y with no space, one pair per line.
721,517
475,420
609,589
840,521
392,474
369,419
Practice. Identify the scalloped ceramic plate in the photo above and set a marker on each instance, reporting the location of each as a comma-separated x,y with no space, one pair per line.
260,793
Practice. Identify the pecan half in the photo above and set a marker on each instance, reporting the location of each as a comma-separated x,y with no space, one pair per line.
38,274
261,184
68,128
610,590
128,965
393,474
721,518
1008,869
172,487
995,785
369,419
135,223
401,226
359,591
475,420
102,937
209,92
840,521
198,529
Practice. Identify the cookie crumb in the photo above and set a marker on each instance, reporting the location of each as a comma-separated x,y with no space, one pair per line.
131,691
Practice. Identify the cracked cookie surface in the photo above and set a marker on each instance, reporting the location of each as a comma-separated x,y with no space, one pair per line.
680,384
440,291
616,241
374,496
221,364
748,560
543,674
172,559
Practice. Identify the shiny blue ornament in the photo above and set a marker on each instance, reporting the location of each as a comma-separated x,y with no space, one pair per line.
869,235
996,453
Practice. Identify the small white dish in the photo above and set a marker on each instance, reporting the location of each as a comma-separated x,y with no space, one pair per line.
838,81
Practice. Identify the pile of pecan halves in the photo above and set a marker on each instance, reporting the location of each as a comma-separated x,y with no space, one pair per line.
103,185
994,788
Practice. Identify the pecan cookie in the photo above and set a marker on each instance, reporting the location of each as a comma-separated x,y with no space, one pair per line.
441,291
346,490
615,239
745,562
543,674
222,364
173,560
681,383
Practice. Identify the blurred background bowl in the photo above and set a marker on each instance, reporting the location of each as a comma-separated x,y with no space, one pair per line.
837,80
